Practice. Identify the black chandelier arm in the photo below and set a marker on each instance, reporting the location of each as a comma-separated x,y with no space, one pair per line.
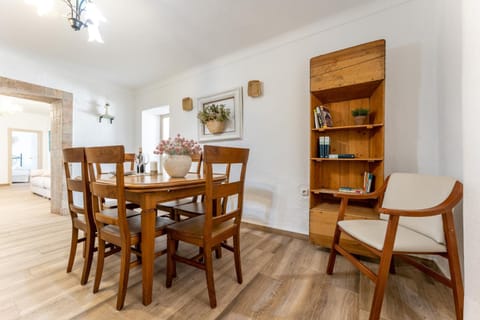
76,11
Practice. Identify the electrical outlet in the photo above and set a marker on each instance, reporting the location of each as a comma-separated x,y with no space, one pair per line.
304,191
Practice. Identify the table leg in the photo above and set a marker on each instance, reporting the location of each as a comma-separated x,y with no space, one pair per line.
148,253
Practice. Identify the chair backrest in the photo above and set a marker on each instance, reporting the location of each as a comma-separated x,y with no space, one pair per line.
197,159
216,192
130,159
110,155
410,191
72,157
129,162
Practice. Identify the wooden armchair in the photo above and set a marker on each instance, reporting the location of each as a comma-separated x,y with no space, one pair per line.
417,218
113,226
211,229
81,215
169,206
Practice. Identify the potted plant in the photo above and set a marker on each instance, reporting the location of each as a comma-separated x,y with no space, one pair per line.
359,115
179,151
213,116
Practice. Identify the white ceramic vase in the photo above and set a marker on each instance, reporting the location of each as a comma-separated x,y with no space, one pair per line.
177,166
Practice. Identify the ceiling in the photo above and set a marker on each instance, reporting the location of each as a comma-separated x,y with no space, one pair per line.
151,40
8,103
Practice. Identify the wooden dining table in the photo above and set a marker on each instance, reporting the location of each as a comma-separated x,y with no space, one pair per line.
147,190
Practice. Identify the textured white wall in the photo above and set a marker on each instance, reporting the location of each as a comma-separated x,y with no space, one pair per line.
276,124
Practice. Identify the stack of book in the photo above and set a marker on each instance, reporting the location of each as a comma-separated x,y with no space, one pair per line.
323,146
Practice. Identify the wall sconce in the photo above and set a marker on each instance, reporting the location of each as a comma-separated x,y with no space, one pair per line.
187,104
106,115
254,88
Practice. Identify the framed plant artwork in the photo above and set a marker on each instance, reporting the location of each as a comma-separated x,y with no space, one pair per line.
220,116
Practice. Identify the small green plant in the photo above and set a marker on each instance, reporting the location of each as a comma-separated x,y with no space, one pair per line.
359,112
213,112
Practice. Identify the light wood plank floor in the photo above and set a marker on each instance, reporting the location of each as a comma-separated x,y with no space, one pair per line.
284,278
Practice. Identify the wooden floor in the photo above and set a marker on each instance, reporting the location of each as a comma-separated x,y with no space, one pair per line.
284,278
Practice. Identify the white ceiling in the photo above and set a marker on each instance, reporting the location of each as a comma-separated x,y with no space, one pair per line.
150,40
23,105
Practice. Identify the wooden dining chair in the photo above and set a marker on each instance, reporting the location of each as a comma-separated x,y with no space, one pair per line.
113,226
211,229
80,213
169,206
196,208
130,164
417,218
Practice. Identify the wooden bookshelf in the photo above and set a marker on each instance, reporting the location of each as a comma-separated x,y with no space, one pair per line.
342,81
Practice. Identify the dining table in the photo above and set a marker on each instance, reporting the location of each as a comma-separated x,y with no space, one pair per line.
147,190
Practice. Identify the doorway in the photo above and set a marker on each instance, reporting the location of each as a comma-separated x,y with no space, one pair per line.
61,130
25,153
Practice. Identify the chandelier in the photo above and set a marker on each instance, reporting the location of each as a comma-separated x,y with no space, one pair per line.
82,14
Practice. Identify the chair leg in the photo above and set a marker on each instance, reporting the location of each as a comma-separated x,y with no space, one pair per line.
73,249
87,263
100,261
453,263
383,269
124,272
236,254
380,285
333,252
171,249
209,275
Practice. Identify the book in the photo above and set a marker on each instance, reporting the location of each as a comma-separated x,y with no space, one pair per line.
326,117
327,147
346,155
341,155
315,119
350,190
321,147
319,116
368,180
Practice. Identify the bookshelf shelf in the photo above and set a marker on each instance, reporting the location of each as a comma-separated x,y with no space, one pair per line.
340,82
363,126
348,159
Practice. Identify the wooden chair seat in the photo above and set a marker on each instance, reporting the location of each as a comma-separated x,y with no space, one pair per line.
195,208
189,210
191,230
135,228
113,212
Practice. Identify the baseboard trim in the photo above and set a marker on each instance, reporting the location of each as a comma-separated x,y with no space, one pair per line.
291,234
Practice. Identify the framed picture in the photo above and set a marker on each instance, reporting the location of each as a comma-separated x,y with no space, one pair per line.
232,100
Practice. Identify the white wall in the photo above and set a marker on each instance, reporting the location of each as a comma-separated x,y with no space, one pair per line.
276,124
25,121
471,155
90,95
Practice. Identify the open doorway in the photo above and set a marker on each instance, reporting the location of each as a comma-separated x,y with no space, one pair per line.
25,154
61,130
